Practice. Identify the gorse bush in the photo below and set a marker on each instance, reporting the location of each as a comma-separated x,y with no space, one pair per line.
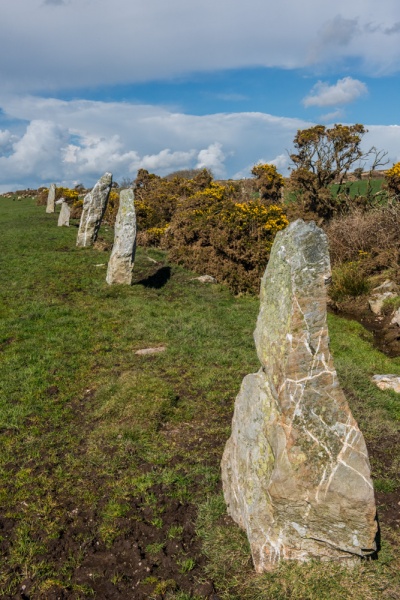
269,182
212,233
67,194
111,212
209,226
156,198
392,177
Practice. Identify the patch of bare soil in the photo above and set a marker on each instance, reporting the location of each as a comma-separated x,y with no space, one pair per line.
387,502
148,558
386,337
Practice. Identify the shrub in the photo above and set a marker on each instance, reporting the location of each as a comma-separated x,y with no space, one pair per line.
151,236
212,233
349,279
392,177
374,234
41,198
269,182
323,157
68,194
111,212
156,198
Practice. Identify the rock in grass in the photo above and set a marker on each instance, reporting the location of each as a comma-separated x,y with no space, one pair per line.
155,350
63,218
387,382
295,471
94,206
51,198
388,289
205,279
122,257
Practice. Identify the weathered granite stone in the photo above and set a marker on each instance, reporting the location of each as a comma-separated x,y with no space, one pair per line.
295,470
122,256
65,212
50,208
94,206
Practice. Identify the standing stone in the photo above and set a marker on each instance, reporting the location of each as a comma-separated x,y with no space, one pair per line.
122,256
94,206
65,212
295,471
50,208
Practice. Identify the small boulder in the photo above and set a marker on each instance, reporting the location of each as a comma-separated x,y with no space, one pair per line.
156,350
396,318
387,382
205,279
388,289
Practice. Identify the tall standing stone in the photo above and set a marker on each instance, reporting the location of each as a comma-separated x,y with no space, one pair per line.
65,212
51,198
295,470
122,256
94,206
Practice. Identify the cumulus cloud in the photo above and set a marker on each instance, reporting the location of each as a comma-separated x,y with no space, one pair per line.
344,91
6,141
79,140
66,141
39,150
281,162
212,158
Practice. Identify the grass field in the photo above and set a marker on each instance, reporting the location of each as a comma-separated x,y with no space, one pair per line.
109,460
352,188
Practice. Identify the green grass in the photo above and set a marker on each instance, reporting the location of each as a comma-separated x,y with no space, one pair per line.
353,188
90,428
360,188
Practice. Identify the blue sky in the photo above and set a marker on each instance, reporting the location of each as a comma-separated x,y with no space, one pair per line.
88,86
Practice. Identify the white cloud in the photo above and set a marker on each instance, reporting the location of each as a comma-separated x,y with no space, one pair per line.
212,158
165,160
281,162
79,140
6,140
66,141
37,151
344,91
60,44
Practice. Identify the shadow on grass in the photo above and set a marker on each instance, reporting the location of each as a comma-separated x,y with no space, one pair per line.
157,280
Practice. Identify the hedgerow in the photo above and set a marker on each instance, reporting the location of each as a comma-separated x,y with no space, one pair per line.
212,233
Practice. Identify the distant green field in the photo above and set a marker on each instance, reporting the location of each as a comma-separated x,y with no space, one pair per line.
353,188
359,188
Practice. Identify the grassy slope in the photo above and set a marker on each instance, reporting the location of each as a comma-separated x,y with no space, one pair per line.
87,423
